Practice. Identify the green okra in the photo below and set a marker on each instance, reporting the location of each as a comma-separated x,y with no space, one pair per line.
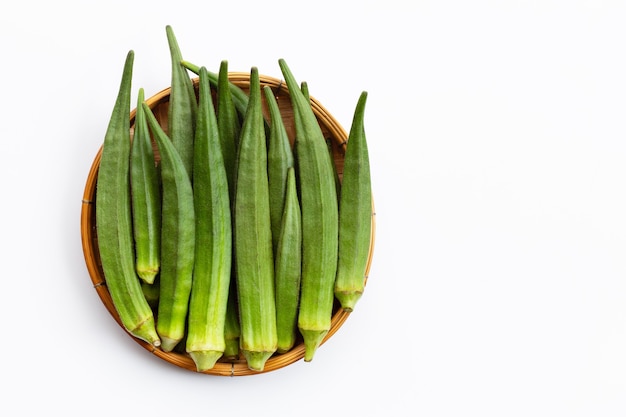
114,219
183,106
146,198
228,124
253,239
279,159
288,267
212,269
319,207
355,214
177,239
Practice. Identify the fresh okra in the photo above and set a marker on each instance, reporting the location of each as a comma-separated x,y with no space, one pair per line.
146,198
253,239
114,219
212,269
319,220
288,267
177,239
279,159
183,106
355,214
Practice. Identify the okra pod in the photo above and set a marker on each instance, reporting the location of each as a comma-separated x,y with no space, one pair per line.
177,239
183,106
146,198
228,124
279,160
288,267
212,269
253,239
114,219
355,214
319,220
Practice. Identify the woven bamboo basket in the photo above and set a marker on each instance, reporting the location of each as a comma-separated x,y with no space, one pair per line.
159,105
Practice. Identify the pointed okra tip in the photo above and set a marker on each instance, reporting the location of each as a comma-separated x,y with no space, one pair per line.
348,299
205,359
147,274
283,66
146,331
256,360
312,340
168,344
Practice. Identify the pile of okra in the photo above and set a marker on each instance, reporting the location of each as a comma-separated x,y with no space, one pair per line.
219,237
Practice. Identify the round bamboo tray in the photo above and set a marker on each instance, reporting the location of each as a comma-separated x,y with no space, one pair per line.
159,105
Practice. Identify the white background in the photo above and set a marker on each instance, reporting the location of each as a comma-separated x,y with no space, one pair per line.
497,135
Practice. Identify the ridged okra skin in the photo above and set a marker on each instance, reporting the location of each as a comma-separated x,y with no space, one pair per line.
146,198
212,270
114,219
183,106
280,159
177,240
355,214
228,124
253,239
319,220
288,269
226,120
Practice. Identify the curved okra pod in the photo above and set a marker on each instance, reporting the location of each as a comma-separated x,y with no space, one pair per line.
279,160
355,214
146,198
288,269
319,220
114,219
177,240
